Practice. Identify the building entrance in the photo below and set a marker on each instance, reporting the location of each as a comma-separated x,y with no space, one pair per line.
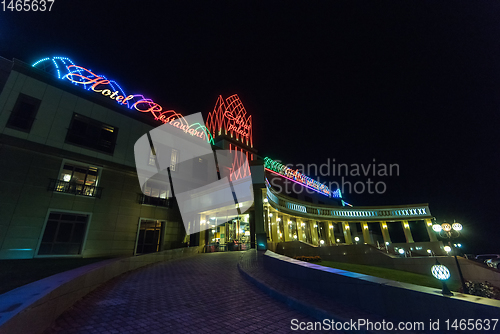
233,235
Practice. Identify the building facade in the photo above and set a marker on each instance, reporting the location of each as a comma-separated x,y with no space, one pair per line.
70,185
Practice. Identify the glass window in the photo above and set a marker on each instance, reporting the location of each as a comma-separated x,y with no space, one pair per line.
90,133
152,158
78,179
24,112
174,158
64,234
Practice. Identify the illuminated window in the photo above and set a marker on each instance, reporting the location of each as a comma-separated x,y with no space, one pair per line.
156,189
152,158
90,133
24,112
64,234
78,179
174,158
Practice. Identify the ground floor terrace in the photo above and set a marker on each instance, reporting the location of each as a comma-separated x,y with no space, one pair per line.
385,227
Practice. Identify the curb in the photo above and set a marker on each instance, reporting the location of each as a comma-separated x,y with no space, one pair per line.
294,303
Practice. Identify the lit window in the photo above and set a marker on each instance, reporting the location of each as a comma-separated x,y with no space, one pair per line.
152,158
24,112
77,179
174,158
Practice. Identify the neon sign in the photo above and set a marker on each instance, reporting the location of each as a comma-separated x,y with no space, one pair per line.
79,75
294,175
230,117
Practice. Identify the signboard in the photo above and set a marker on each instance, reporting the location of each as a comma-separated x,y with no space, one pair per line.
99,84
295,176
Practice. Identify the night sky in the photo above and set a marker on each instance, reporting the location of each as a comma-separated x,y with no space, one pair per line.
413,83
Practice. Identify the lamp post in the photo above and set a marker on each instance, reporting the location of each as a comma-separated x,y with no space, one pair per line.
451,231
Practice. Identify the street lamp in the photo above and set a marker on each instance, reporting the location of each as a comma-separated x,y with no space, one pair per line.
451,231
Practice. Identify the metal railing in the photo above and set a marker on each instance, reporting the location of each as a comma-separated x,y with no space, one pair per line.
74,188
156,201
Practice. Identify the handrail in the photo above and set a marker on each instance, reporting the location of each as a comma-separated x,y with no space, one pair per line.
74,188
405,212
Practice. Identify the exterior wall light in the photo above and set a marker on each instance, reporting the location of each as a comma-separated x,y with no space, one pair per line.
447,249
338,240
322,242
270,215
401,251
356,239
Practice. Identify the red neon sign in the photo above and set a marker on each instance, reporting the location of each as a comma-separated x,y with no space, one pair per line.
231,118
138,102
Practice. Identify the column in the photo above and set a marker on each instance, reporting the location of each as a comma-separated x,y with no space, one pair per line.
314,233
298,224
347,233
430,231
385,232
303,234
260,232
286,228
274,227
330,233
406,229
366,233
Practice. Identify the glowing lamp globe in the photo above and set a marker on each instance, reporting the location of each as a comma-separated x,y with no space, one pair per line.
456,226
437,228
401,251
356,239
440,272
447,249
322,242
446,227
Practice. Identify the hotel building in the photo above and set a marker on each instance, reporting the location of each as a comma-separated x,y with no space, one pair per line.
69,182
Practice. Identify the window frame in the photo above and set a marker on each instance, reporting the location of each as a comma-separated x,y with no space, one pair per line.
85,236
92,122
81,164
15,110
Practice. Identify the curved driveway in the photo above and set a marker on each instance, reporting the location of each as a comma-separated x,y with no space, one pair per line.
200,294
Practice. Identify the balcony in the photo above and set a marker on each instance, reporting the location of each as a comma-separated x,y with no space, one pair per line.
156,201
74,188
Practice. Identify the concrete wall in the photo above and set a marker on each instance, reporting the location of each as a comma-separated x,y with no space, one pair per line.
390,299
32,308
371,256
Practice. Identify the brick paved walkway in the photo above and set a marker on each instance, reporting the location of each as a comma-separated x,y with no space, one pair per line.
201,294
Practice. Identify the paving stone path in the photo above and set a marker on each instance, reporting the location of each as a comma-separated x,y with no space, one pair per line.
200,294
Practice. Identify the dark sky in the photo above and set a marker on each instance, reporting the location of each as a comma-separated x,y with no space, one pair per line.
413,83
